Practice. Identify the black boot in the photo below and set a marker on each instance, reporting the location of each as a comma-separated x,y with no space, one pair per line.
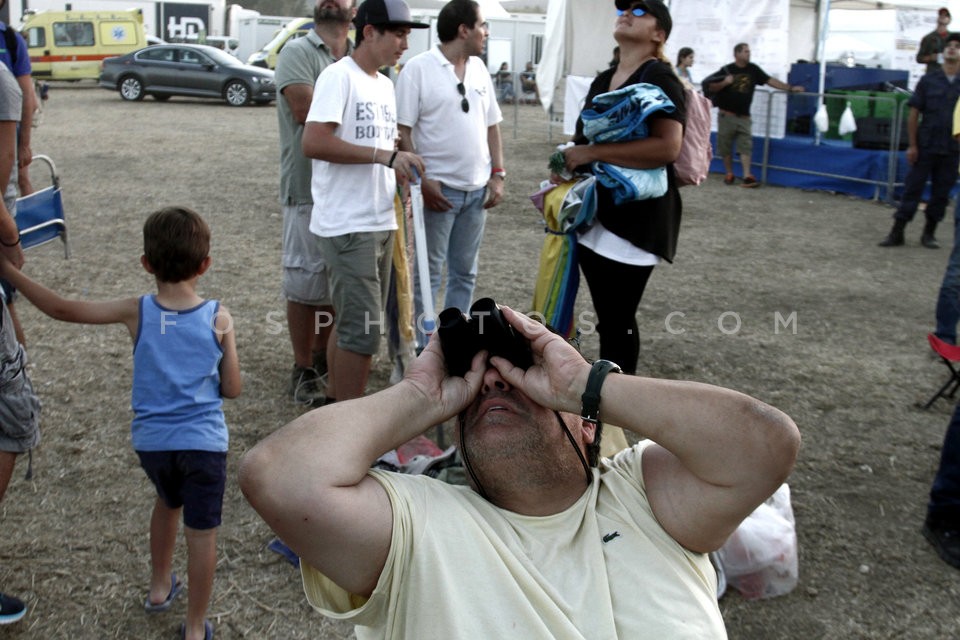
927,238
895,237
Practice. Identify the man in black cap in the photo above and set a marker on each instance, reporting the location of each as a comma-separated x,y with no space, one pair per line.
351,135
933,44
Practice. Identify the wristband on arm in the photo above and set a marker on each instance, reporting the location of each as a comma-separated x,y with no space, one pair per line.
590,399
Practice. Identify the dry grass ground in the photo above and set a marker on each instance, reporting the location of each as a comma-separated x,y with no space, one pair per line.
848,370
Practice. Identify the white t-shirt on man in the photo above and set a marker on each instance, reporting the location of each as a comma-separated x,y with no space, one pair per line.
352,198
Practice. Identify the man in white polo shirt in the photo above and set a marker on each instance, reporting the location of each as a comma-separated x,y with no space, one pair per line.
351,133
447,112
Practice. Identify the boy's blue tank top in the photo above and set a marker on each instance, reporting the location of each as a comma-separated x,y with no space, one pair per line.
176,380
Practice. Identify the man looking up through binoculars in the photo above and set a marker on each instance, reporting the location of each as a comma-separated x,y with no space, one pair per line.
376,547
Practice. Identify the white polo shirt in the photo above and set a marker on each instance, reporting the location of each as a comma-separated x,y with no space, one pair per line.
453,144
354,198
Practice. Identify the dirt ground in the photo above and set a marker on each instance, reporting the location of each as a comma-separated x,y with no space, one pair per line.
849,370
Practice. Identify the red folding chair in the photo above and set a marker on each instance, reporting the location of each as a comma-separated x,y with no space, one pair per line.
950,356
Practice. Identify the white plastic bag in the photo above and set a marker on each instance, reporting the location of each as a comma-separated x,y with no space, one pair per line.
822,119
760,558
848,124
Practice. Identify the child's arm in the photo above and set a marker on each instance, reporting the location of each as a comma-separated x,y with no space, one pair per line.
230,383
125,311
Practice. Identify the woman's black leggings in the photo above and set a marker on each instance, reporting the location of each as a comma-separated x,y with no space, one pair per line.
616,289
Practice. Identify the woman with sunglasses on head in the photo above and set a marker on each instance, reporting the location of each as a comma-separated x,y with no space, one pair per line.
618,251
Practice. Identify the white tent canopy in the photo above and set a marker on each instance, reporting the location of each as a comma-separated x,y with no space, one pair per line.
579,40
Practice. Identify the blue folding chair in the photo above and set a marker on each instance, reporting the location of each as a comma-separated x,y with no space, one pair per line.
40,217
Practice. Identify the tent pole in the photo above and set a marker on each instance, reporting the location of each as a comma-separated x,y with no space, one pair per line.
824,20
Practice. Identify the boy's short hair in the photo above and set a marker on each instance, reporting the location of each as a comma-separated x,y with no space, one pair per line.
176,240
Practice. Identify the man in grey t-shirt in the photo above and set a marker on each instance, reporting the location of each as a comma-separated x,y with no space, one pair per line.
309,312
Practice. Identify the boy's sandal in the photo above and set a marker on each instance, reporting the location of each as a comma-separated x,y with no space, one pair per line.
160,607
207,630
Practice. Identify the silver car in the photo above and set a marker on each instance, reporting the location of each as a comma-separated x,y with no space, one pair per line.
187,70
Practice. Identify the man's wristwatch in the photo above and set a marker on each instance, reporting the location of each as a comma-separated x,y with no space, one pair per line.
590,399
499,173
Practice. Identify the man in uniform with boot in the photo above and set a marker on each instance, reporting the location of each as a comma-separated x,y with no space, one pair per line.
932,152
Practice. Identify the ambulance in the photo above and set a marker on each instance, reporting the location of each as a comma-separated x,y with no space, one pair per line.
69,45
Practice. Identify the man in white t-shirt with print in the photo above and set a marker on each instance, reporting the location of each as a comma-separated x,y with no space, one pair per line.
351,135
445,94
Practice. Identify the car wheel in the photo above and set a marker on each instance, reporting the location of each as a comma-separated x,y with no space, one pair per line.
237,93
131,88
161,97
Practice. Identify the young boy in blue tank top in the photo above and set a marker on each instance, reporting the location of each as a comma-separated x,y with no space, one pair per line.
184,363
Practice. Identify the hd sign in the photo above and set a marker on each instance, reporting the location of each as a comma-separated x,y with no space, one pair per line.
180,20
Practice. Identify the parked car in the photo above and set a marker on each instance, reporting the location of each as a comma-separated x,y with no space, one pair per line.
166,70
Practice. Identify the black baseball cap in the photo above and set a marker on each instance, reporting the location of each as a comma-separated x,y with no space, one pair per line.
953,37
386,13
655,8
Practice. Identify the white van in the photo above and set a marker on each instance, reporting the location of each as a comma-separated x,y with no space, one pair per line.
267,56
69,45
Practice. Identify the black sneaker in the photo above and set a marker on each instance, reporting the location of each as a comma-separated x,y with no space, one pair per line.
320,362
307,386
11,609
945,541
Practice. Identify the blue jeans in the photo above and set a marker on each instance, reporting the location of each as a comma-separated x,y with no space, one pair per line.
944,507
948,301
453,237
942,170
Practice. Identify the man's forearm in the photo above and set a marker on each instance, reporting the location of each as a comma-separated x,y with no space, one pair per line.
722,436
406,138
913,126
29,106
495,144
336,444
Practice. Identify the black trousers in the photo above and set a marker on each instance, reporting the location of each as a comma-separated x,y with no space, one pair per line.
616,290
942,171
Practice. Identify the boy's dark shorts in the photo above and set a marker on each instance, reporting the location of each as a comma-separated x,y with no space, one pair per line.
194,480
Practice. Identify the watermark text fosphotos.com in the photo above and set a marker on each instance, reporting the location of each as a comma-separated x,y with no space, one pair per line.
675,323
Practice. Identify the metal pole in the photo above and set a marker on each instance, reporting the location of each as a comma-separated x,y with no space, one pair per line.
824,16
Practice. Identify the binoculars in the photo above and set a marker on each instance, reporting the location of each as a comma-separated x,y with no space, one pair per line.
462,336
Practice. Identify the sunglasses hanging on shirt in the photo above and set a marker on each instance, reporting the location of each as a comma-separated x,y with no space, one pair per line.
464,104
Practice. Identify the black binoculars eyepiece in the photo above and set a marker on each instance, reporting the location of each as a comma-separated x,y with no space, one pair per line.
462,336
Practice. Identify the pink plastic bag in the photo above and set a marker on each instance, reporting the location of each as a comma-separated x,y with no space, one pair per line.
760,558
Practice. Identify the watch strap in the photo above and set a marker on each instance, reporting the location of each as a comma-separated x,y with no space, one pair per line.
590,399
